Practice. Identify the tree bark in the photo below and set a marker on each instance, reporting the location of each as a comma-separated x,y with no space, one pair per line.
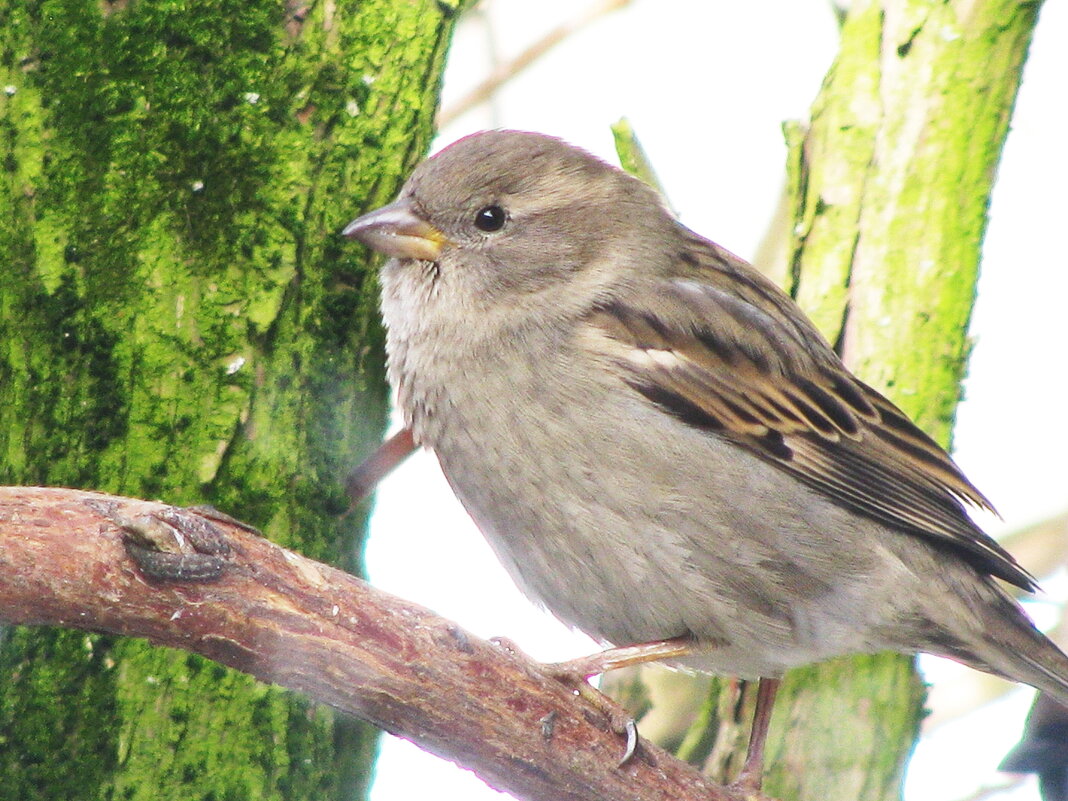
177,320
289,620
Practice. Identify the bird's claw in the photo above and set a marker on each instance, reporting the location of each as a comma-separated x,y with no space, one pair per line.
620,721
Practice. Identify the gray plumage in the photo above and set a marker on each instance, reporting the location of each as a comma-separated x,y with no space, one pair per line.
655,440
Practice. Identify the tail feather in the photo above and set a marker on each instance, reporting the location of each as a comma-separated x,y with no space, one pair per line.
1010,646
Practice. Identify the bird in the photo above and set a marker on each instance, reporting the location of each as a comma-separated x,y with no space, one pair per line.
660,446
1043,749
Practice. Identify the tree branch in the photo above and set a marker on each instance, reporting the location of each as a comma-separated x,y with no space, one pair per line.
312,628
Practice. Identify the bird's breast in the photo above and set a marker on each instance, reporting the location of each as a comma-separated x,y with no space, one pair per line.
621,520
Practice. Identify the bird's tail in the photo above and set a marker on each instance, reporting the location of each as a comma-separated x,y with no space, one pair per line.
1010,646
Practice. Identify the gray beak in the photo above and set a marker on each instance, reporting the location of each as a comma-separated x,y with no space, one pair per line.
397,231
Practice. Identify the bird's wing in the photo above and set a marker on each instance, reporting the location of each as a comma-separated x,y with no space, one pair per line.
724,350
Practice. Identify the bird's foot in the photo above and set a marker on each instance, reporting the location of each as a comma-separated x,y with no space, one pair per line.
620,721
748,786
576,672
750,777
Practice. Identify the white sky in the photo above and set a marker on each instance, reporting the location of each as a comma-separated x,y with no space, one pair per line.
706,86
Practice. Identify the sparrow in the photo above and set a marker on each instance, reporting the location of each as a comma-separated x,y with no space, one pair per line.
660,446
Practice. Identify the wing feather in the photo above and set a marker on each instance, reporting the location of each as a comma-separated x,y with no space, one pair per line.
727,352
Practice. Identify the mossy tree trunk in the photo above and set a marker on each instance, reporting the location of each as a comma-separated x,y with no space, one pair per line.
892,181
178,321
889,188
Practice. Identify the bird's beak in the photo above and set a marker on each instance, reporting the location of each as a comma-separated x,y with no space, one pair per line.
397,231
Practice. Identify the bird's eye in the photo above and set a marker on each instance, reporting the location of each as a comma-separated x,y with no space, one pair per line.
490,218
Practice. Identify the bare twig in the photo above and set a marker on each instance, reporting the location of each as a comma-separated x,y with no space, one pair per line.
989,791
292,621
362,481
505,72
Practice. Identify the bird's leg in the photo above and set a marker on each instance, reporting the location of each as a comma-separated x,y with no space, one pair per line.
362,481
752,772
576,672
625,656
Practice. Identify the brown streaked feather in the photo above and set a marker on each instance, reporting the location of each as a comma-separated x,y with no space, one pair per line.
749,367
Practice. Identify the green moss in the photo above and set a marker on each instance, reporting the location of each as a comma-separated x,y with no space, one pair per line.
180,321
830,171
35,759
